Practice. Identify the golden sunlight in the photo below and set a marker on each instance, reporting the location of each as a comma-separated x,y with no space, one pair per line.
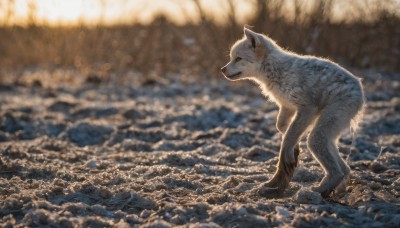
73,12
55,12
89,12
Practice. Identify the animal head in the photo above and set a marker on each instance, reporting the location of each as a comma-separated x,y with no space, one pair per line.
246,57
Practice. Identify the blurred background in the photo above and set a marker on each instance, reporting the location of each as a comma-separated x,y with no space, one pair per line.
191,36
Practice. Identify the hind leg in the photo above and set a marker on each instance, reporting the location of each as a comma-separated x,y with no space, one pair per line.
336,170
322,143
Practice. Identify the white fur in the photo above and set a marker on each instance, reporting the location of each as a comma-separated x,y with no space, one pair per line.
312,93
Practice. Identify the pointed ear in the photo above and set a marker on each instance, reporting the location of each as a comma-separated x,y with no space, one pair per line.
252,37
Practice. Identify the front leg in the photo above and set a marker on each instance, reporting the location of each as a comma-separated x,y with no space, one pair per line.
287,159
285,116
290,150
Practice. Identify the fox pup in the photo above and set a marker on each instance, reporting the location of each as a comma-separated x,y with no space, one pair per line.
312,94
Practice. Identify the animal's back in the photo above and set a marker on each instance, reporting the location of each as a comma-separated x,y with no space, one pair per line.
322,82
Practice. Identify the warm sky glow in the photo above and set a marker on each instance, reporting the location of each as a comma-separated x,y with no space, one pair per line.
70,12
113,11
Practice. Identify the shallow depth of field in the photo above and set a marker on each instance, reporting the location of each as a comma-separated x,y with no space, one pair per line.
132,124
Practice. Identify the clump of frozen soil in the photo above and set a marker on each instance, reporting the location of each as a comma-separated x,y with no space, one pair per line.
181,152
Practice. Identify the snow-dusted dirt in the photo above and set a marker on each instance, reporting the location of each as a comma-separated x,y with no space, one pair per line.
183,150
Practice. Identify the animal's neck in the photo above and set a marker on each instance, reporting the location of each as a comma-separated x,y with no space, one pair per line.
272,70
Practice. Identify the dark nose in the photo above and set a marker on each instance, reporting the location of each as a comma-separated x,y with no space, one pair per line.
223,69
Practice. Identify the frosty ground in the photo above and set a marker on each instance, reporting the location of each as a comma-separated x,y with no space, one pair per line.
185,150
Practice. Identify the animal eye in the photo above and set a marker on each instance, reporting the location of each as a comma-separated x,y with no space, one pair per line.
238,59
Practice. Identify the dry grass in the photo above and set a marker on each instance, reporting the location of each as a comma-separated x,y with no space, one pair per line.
162,46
